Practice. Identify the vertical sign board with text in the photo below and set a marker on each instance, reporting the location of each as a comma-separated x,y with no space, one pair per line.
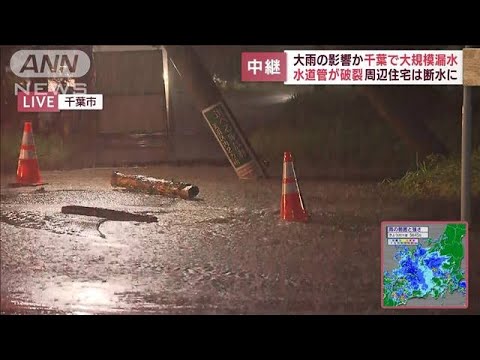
222,126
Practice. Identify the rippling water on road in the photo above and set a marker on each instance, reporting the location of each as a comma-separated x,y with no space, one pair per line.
226,252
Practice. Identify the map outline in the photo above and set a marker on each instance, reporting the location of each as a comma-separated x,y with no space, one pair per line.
383,232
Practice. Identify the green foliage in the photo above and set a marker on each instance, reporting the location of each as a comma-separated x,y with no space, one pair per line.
52,152
9,149
436,177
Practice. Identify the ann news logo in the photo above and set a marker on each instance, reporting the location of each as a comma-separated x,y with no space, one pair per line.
264,66
60,91
50,63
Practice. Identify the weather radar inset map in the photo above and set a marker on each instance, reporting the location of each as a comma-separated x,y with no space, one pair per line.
424,265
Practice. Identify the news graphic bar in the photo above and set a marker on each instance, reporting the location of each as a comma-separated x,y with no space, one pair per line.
405,242
264,66
407,232
80,102
369,67
355,67
54,102
37,102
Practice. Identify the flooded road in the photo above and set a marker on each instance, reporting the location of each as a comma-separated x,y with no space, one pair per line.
227,252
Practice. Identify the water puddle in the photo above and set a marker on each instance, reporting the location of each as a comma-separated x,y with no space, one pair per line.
56,223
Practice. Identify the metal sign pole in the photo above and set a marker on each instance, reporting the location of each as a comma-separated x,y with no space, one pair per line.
466,181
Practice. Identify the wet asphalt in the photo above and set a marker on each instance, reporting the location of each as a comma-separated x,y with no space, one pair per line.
227,252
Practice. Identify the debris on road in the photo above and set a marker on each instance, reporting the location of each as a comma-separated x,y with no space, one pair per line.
153,185
107,214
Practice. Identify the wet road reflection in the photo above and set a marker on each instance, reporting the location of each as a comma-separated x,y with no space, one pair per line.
226,253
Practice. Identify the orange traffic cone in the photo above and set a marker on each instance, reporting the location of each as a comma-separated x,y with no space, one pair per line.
28,172
291,207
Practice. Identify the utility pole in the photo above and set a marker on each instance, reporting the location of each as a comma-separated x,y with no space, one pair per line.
466,182
209,101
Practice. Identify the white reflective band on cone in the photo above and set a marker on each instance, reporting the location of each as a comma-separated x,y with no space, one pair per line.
27,138
27,154
289,175
288,172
